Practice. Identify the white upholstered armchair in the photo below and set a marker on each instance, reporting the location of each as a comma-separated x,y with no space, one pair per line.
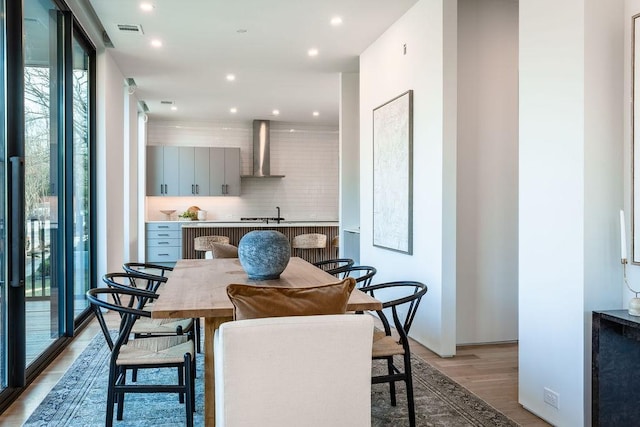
294,371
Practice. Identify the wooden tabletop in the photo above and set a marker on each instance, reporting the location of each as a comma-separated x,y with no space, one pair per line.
197,287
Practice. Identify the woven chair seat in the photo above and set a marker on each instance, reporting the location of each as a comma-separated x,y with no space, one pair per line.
204,243
384,345
160,326
310,241
155,351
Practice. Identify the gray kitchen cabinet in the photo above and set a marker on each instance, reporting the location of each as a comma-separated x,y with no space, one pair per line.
224,171
194,171
163,243
162,171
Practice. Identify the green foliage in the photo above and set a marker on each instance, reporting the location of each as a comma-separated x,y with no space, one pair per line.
189,215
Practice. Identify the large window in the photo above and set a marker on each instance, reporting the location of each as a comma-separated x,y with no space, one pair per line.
3,289
81,177
46,176
42,184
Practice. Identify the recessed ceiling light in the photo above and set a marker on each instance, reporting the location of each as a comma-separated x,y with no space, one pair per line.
316,114
292,130
233,110
231,77
312,52
147,7
174,108
336,20
156,43
275,112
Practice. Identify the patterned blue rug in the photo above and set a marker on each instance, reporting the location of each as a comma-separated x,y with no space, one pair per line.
79,399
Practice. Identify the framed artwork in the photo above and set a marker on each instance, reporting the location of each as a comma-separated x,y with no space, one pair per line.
393,174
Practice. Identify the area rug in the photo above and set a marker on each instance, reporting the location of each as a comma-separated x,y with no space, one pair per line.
79,399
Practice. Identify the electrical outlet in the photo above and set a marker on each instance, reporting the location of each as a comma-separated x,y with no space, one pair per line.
551,398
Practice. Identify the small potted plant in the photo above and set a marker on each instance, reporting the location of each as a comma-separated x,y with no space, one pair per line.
190,214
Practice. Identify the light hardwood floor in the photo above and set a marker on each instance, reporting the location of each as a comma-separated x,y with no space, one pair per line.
489,371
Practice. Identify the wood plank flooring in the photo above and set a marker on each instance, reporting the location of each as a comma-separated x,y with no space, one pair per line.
489,371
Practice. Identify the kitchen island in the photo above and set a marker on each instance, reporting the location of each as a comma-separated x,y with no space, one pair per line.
235,231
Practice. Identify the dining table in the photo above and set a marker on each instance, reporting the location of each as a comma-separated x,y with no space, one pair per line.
196,288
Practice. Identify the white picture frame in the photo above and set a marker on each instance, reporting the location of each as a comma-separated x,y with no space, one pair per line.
393,174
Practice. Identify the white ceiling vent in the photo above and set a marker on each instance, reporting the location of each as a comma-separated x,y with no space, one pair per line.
167,102
131,28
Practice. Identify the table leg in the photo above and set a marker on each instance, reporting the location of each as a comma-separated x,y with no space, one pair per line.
210,326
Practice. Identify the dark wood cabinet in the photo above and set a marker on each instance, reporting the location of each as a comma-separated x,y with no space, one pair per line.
615,381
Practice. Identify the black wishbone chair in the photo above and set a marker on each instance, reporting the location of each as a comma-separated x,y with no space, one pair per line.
336,266
362,273
145,327
147,268
155,270
148,327
175,351
385,346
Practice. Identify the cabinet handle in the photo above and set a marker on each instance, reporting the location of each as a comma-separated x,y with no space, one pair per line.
222,188
226,186
161,189
193,189
166,191
163,243
197,188
163,254
163,226
163,235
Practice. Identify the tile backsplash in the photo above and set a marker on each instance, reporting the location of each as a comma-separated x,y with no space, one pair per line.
306,154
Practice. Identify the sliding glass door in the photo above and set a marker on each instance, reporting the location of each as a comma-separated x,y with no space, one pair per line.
42,184
81,161
46,183
3,282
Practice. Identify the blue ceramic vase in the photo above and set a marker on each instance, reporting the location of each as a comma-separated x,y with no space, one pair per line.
264,254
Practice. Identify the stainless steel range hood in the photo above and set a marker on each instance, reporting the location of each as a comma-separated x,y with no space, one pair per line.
262,150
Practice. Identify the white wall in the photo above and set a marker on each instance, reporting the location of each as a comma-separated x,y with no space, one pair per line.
570,181
109,163
349,158
632,7
429,69
487,247
131,187
308,157
604,133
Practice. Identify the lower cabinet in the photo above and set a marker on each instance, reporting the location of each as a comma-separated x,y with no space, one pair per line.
615,360
163,243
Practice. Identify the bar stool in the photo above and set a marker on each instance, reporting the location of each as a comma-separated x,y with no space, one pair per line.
205,244
335,242
302,242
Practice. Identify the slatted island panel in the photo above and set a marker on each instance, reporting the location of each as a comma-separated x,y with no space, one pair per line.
235,233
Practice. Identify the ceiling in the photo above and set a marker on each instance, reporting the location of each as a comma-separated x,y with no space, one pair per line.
263,43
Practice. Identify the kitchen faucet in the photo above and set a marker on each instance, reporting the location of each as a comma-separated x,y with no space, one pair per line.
278,216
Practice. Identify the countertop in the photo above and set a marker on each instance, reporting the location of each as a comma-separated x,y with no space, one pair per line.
213,224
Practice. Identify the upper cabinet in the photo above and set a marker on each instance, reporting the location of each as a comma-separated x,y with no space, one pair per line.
224,171
193,171
162,171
